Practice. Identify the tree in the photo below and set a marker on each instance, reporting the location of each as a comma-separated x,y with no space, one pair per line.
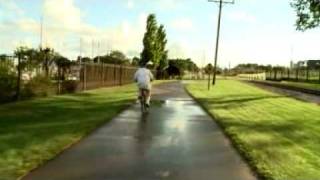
115,57
63,65
118,55
86,59
135,61
162,53
154,46
7,78
208,69
48,59
183,65
149,41
21,53
308,14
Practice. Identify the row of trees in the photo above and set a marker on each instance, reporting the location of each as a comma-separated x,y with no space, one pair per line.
114,57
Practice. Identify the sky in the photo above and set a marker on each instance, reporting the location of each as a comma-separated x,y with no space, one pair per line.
252,31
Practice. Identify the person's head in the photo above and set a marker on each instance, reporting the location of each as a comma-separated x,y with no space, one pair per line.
149,64
142,64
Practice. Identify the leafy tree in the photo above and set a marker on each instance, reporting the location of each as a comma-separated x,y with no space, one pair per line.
86,59
6,62
308,14
135,61
183,65
149,41
208,69
162,53
154,46
118,55
48,59
21,53
115,57
8,80
63,65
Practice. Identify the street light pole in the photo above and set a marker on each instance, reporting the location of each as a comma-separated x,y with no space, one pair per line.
218,37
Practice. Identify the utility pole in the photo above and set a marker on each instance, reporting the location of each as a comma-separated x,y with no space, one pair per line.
41,31
92,44
218,36
80,50
203,65
98,51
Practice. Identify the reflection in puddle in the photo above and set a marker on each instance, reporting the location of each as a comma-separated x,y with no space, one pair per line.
163,174
179,125
177,120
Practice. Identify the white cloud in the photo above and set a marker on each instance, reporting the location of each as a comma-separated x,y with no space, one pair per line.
64,25
182,24
63,15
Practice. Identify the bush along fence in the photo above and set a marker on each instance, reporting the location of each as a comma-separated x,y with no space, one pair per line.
297,74
26,82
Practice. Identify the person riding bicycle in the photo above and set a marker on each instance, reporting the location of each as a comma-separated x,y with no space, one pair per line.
143,77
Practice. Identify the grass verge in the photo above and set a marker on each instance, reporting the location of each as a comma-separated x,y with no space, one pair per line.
312,86
32,132
278,135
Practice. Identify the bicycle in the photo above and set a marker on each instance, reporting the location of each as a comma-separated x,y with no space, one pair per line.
143,101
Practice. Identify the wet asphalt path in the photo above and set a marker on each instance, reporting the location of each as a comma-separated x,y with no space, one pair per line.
177,140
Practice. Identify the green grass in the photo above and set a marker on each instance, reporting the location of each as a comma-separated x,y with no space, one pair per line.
32,132
313,86
279,136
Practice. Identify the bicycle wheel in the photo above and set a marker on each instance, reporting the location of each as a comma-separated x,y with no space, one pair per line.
143,104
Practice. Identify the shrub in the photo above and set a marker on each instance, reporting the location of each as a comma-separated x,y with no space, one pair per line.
39,86
8,84
69,86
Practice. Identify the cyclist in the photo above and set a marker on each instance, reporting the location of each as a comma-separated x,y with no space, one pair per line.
143,77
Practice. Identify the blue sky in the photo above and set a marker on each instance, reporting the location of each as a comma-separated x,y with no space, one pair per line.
252,31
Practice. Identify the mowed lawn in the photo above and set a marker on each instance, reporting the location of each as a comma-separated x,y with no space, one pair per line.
279,136
313,86
31,132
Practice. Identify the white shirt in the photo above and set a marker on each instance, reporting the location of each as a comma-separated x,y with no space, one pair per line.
143,77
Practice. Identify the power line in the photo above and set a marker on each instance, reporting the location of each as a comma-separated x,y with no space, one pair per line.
218,36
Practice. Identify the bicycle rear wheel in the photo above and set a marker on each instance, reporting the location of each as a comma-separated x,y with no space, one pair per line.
143,101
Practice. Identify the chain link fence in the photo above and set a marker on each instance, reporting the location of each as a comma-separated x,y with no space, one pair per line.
294,75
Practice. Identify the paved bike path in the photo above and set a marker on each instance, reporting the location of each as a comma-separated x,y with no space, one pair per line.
177,140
